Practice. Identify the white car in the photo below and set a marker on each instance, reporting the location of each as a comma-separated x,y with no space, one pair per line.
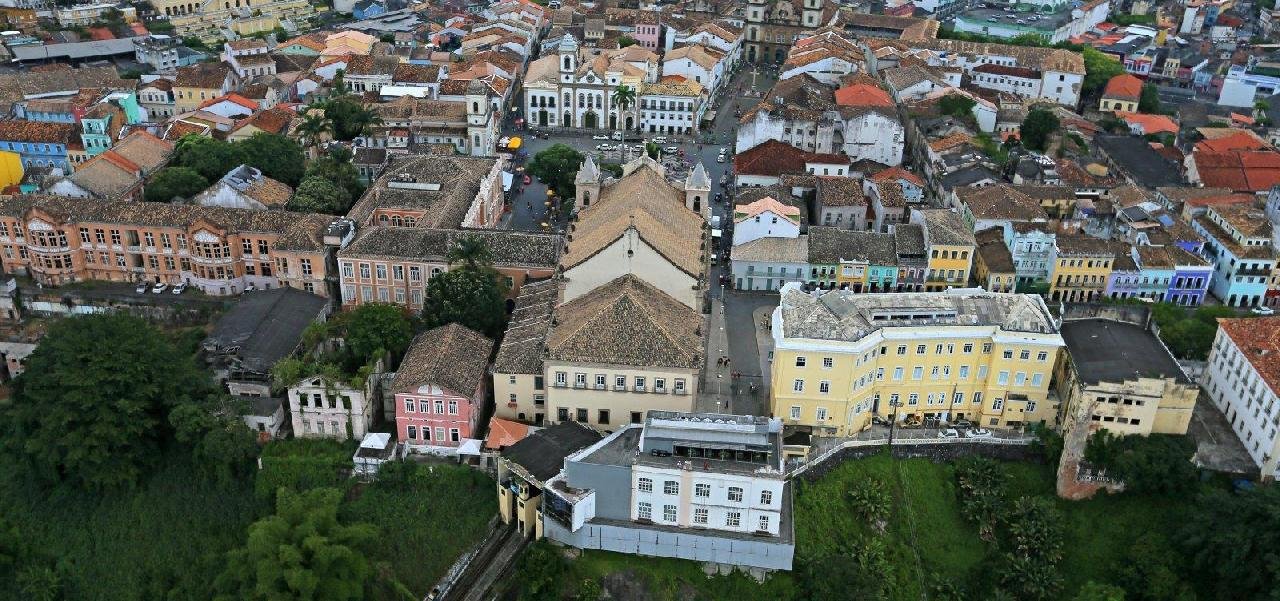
948,433
180,288
979,433
720,159
659,140
159,287
1263,311
599,137
142,288
603,147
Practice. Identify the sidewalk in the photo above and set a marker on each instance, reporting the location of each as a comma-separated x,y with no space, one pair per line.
717,392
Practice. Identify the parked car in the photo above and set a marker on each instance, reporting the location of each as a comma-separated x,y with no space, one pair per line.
142,288
617,135
180,288
659,140
720,159
599,137
979,433
962,423
948,433
671,149
1263,311
159,287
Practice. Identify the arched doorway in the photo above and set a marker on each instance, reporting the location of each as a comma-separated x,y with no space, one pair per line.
779,56
697,204
613,122
568,120
590,120
751,54
542,118
630,124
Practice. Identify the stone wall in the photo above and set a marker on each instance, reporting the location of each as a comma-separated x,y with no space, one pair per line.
937,452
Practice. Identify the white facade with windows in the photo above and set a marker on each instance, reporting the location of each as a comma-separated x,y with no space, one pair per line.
671,108
322,408
701,486
1240,378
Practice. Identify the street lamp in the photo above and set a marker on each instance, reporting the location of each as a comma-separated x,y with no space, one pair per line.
893,420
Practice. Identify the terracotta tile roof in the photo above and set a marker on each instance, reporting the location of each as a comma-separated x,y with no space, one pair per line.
1080,245
504,433
767,204
527,328
1007,71
644,200
453,357
296,231
946,227
863,95
233,98
1151,124
950,142
831,245
1000,202
60,78
1258,339
1222,199
771,249
627,322
995,254
773,157
36,131
1124,87
894,173
1238,140
246,44
510,248
314,41
407,73
1241,171
273,120
272,193
202,75
836,191
181,128
460,179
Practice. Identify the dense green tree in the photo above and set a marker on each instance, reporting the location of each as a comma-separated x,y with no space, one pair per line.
956,105
1093,591
302,552
475,298
539,571
471,252
625,41
1030,579
318,195
91,416
278,157
653,150
1029,39
557,166
1037,128
209,157
842,578
1035,529
1233,543
1154,464
221,443
1099,68
1149,102
589,590
336,167
981,484
350,118
871,501
375,328
314,126
1152,571
174,183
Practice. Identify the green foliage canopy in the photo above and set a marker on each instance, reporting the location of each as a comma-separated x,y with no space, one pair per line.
1037,128
473,297
174,183
318,195
302,552
557,166
92,417
1099,68
278,157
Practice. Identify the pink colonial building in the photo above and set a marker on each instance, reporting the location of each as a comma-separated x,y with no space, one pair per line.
440,388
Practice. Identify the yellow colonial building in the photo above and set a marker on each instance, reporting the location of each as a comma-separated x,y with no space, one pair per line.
951,247
841,357
1080,266
206,19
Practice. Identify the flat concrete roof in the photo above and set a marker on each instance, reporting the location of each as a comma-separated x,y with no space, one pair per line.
1105,350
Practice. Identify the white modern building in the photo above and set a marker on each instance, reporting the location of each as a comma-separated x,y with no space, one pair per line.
671,107
1242,378
701,486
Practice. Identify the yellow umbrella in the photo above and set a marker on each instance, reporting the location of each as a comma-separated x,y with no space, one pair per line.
515,143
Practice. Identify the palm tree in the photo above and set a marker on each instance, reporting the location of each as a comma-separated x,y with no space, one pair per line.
314,127
367,119
624,97
471,252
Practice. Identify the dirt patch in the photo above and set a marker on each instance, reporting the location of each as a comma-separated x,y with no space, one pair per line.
627,585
